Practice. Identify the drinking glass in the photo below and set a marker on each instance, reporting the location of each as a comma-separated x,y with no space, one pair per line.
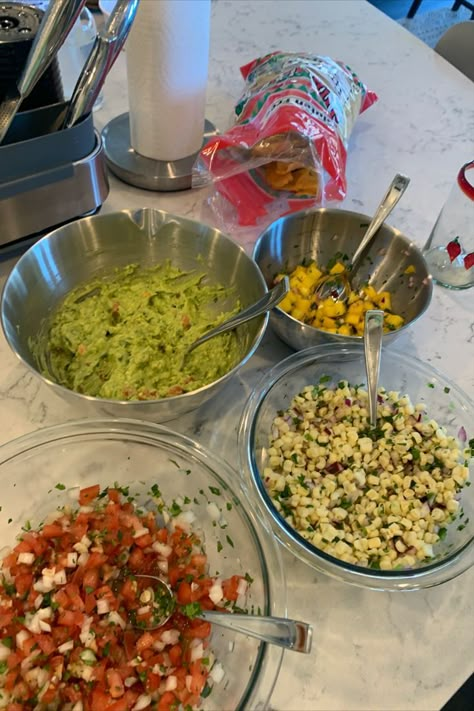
449,250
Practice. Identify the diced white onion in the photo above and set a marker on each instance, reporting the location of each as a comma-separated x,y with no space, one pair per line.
171,682
142,702
21,637
45,613
86,509
44,626
242,587
115,619
78,706
130,681
102,607
184,520
213,511
60,577
4,653
83,558
217,673
72,560
170,636
140,532
162,549
38,601
66,646
216,592
163,566
26,558
197,652
143,610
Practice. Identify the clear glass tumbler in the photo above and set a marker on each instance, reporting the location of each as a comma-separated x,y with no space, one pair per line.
449,250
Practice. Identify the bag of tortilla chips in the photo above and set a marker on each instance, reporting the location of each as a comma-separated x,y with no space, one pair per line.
288,147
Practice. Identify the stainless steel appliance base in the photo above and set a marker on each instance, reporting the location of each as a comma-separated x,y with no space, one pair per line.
40,202
142,172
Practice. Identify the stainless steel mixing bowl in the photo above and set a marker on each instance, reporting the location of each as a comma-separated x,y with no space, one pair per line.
95,246
321,235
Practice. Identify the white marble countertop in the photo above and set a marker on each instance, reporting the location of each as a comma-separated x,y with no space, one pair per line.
372,651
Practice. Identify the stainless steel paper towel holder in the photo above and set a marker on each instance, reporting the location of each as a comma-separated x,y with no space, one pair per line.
142,172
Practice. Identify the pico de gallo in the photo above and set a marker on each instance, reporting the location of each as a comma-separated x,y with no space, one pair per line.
76,624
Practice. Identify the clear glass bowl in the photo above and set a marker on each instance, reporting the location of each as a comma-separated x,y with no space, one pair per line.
138,454
445,403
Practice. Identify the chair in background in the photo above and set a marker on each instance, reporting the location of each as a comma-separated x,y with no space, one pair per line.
457,4
457,47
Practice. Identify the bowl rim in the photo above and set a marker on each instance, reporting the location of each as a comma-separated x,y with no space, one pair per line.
337,337
146,404
432,574
269,657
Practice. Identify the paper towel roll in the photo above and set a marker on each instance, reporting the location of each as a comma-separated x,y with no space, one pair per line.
167,67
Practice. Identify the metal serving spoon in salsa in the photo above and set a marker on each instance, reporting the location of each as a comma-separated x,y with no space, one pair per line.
158,603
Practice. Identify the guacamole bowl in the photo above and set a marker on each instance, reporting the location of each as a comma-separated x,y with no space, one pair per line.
78,266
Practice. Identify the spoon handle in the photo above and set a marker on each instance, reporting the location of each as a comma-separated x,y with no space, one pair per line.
290,634
373,332
267,302
392,196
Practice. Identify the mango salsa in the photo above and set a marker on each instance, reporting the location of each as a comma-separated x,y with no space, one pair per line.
345,318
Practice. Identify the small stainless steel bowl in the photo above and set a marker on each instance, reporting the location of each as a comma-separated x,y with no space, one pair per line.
95,246
321,235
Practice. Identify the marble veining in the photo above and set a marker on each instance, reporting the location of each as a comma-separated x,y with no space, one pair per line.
372,651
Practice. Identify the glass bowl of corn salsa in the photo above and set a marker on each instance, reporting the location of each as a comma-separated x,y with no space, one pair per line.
389,507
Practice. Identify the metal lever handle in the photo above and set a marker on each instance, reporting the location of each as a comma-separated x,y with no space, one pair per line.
104,52
56,24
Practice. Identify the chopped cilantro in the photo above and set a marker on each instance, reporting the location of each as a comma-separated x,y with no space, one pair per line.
175,509
191,610
230,541
7,642
214,490
60,486
442,533
219,546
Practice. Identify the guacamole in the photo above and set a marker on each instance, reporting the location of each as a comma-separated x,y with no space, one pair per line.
124,337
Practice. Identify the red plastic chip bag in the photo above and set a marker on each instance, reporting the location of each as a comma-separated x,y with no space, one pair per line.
287,149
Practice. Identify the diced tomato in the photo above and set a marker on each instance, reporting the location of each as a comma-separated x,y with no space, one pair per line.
45,643
70,618
6,616
14,707
175,654
144,642
199,629
129,638
87,495
95,560
143,541
184,593
115,684
114,495
136,559
99,700
52,530
167,701
230,587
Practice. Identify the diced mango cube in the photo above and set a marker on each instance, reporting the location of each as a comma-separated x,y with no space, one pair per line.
393,321
384,300
338,268
333,309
